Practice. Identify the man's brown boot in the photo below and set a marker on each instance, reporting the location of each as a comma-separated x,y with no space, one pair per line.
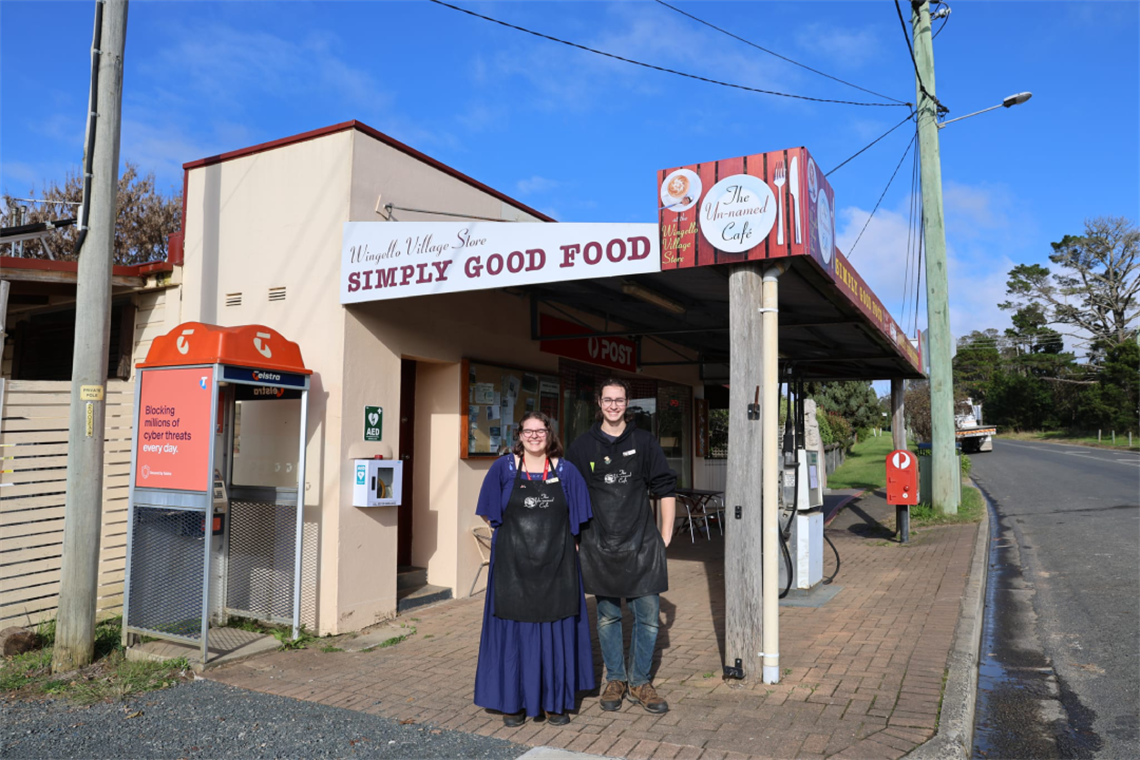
611,697
646,696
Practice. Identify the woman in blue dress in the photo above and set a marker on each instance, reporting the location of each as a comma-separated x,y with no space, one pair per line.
534,654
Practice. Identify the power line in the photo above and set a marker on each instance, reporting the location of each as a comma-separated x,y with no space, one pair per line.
921,85
885,189
868,145
781,57
663,68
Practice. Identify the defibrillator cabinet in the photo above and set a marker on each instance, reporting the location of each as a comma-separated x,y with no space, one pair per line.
217,483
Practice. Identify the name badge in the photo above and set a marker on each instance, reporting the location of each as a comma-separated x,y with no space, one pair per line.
629,453
552,480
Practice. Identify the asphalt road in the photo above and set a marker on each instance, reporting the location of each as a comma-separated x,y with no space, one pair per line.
1059,674
203,719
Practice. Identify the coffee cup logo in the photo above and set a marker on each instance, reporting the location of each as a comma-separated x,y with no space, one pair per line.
680,191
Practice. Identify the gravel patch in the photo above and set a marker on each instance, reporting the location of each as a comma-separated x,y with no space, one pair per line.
204,719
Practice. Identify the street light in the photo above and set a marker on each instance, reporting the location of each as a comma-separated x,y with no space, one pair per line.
1010,102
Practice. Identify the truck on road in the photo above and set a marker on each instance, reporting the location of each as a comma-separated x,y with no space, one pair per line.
971,434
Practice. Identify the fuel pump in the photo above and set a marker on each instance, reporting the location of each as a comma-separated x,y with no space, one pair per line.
802,514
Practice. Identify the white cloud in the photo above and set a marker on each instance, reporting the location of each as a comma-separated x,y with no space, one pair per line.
977,268
843,46
536,184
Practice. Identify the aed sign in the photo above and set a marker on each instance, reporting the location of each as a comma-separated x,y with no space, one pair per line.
361,473
902,478
173,432
614,352
373,423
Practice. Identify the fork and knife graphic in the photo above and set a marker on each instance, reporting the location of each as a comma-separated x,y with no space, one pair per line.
779,179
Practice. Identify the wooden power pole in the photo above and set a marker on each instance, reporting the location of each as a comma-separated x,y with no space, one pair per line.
75,625
944,464
743,592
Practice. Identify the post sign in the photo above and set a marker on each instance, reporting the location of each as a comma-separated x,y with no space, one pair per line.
173,436
613,351
382,260
373,423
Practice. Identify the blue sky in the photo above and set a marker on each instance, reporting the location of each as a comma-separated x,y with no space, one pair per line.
581,137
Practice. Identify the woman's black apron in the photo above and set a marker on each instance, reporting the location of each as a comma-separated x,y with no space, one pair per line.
536,576
622,551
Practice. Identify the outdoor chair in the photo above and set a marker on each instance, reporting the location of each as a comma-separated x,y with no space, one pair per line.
482,535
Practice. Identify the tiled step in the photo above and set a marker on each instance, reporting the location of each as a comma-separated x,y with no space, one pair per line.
409,600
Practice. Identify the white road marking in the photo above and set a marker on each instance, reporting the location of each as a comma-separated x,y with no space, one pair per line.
1077,453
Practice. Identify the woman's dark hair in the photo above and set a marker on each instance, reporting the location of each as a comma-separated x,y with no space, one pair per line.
619,383
553,442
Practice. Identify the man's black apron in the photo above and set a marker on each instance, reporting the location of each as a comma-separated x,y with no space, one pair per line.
622,553
536,578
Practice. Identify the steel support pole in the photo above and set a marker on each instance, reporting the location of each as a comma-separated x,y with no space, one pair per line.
944,464
898,413
75,625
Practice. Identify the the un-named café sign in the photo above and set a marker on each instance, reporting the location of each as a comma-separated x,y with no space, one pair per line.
381,260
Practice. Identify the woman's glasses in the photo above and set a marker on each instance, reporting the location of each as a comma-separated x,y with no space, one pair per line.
538,433
614,402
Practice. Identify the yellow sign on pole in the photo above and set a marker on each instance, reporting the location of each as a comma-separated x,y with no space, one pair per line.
91,392
90,419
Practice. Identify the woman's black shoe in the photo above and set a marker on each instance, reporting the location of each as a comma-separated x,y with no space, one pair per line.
514,720
557,719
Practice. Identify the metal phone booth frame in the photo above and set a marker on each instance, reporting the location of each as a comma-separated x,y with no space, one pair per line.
186,516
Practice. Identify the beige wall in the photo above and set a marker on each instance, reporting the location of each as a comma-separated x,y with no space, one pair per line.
271,220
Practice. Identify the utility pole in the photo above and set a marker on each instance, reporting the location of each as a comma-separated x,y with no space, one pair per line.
944,464
75,625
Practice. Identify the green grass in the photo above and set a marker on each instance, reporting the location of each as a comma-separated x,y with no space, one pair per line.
969,511
109,677
1064,436
865,466
283,633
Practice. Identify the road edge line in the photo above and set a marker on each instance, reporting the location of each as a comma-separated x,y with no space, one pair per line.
955,737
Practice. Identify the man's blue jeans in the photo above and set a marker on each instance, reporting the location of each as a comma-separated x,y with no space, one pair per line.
642,639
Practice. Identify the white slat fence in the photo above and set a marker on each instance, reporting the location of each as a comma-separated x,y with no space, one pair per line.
33,482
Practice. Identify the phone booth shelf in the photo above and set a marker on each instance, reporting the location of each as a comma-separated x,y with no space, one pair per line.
217,485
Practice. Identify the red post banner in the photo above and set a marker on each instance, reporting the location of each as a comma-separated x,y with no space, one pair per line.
612,352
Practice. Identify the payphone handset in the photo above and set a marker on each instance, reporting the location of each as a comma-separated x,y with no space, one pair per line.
221,498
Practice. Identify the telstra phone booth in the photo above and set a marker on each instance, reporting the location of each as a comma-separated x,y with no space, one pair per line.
217,483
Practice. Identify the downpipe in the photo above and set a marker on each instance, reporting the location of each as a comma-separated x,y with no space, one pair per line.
770,469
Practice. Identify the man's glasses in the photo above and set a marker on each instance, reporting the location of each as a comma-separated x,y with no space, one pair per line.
614,402
539,433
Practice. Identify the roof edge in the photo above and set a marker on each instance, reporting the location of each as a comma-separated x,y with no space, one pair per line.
376,135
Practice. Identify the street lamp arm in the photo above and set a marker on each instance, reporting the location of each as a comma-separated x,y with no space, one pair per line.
1012,100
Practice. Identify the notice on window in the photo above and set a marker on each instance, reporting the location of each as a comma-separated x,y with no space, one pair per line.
174,429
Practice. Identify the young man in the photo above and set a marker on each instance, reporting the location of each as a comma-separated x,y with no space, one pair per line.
622,552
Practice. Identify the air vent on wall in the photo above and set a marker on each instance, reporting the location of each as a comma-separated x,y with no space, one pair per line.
277,294
233,299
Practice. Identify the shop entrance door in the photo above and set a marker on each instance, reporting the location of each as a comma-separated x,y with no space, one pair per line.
407,453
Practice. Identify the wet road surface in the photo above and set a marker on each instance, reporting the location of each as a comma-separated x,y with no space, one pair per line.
1058,676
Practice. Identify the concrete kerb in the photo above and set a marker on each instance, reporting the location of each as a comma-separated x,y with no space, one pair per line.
955,737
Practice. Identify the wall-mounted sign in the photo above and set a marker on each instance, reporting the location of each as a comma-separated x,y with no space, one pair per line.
614,352
381,260
173,435
755,207
264,377
373,423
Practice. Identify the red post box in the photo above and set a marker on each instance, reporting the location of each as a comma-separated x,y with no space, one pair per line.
902,488
902,478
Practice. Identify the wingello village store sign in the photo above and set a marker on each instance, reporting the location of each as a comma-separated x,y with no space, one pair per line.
382,260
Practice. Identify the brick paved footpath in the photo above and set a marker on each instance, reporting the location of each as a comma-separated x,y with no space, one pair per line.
861,675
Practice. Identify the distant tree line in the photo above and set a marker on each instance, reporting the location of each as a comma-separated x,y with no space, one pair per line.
1025,378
